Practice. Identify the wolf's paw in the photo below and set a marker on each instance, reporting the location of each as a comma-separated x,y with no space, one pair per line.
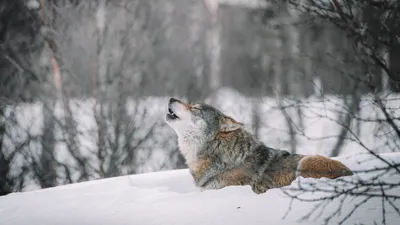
259,188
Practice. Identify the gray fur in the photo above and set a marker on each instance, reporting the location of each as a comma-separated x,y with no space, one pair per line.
240,150
220,153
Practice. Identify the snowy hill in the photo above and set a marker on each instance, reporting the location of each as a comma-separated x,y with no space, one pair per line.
170,197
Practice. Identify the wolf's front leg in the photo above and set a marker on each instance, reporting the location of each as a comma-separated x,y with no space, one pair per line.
209,178
261,185
231,177
205,170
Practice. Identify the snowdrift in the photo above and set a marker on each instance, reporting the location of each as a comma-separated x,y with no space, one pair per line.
169,197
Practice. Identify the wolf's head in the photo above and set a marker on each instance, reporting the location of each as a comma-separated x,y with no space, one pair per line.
199,121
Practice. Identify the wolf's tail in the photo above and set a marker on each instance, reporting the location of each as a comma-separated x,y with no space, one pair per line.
317,166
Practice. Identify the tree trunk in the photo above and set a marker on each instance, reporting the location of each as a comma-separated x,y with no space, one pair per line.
214,45
353,106
4,163
394,67
47,175
256,119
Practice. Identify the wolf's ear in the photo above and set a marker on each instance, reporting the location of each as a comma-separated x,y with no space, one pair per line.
228,124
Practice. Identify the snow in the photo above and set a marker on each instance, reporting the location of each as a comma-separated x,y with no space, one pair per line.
245,3
32,4
169,197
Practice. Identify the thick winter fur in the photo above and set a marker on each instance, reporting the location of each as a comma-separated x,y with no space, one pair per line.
220,152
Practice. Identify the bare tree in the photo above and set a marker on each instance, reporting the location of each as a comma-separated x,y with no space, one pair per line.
113,74
19,46
371,27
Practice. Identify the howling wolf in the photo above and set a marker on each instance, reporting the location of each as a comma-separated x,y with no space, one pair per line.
220,152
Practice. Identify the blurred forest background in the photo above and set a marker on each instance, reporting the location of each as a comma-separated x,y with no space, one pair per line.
84,84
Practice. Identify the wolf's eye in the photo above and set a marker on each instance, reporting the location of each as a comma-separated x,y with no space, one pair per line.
195,107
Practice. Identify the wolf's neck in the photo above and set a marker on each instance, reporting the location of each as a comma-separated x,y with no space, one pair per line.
190,145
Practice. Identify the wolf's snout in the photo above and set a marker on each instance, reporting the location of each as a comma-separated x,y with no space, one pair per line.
171,115
172,100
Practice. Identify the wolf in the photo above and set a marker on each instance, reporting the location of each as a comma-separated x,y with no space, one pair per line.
220,152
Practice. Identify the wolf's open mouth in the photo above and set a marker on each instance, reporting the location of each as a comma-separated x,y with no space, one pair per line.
171,114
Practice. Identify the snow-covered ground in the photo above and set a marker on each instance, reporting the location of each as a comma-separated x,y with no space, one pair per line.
170,197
